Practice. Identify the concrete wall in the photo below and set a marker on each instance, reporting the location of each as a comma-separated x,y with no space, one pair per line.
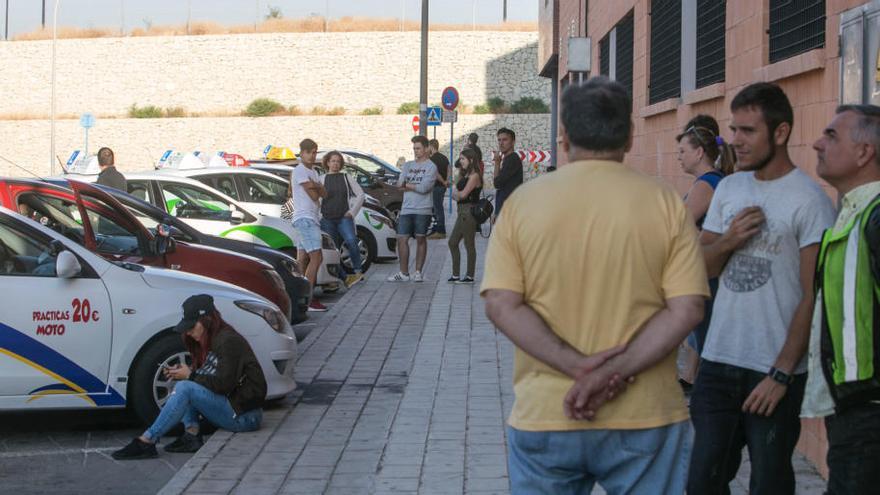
224,73
138,143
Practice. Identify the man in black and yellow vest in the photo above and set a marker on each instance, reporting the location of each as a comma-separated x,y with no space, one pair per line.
844,367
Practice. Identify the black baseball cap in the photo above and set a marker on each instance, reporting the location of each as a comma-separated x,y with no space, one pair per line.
194,308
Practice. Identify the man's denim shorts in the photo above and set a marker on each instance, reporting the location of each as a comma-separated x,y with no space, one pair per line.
308,235
413,225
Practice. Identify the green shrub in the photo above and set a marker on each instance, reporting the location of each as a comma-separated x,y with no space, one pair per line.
496,105
147,112
409,107
262,107
527,104
336,111
482,109
372,111
175,112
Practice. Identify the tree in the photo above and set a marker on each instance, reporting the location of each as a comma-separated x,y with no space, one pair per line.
274,13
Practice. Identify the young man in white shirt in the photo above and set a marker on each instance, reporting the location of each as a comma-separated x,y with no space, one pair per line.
307,191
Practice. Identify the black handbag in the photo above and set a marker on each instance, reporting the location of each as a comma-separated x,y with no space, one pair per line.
483,210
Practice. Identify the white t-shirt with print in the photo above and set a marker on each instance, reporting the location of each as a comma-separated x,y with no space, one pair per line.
759,289
303,205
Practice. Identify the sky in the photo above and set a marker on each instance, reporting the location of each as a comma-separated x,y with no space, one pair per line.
24,15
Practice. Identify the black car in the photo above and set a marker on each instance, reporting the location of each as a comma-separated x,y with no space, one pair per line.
295,283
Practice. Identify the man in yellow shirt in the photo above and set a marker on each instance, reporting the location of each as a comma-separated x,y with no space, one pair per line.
594,272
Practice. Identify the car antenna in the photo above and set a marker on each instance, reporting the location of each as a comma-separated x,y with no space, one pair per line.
7,160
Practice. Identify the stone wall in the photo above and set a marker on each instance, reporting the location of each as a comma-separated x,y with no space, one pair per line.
139,143
223,73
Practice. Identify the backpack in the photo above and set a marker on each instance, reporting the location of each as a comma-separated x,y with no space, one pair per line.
483,210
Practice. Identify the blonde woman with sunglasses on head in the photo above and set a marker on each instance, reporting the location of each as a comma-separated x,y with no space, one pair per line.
703,154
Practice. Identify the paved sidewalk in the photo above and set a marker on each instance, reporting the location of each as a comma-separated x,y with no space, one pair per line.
403,389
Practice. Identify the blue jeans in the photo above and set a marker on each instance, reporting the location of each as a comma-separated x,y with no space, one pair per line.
188,400
344,228
439,214
412,225
652,460
308,235
722,430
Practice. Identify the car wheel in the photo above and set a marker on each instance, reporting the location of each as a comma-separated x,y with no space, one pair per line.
148,390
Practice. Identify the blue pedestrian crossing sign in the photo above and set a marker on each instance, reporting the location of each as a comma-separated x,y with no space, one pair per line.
435,116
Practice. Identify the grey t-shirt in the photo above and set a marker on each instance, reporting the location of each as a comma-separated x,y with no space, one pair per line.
760,288
421,175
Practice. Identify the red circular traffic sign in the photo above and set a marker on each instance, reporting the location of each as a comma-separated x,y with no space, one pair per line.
449,98
415,123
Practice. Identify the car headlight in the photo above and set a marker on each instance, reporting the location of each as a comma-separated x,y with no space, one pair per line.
291,266
327,242
274,278
270,314
375,217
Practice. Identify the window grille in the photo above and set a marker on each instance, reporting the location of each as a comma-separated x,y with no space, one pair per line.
605,55
711,18
796,26
665,65
624,55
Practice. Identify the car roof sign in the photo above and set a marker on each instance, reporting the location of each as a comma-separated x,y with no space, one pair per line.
280,153
83,165
181,161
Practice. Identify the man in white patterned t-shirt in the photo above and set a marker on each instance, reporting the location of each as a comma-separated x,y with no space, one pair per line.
761,237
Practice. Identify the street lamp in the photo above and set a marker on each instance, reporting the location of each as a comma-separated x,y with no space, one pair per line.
52,114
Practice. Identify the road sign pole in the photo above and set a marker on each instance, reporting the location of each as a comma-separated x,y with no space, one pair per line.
87,142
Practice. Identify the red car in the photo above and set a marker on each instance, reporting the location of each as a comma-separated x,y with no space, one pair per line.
98,221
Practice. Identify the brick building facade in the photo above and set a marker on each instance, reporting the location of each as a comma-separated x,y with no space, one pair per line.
684,57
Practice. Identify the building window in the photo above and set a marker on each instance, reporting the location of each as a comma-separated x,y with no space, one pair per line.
616,53
605,55
665,66
624,52
711,15
796,26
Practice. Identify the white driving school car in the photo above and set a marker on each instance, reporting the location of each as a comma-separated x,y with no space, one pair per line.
211,212
79,331
264,193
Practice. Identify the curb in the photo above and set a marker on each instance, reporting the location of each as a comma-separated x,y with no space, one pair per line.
196,464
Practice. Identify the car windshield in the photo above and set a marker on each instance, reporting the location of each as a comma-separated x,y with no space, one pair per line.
370,163
265,190
186,201
63,216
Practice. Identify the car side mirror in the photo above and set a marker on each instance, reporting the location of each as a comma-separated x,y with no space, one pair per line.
236,217
381,172
164,243
67,265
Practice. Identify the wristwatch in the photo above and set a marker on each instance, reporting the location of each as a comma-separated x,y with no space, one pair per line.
780,376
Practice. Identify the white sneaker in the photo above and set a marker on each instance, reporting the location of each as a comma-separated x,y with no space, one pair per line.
399,277
417,277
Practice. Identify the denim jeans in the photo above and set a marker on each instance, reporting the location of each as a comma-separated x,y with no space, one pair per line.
188,400
652,460
308,235
854,450
721,430
439,213
344,228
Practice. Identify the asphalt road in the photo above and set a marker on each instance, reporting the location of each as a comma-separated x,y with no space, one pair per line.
69,451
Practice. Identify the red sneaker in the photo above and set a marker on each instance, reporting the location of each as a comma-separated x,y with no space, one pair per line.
316,306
